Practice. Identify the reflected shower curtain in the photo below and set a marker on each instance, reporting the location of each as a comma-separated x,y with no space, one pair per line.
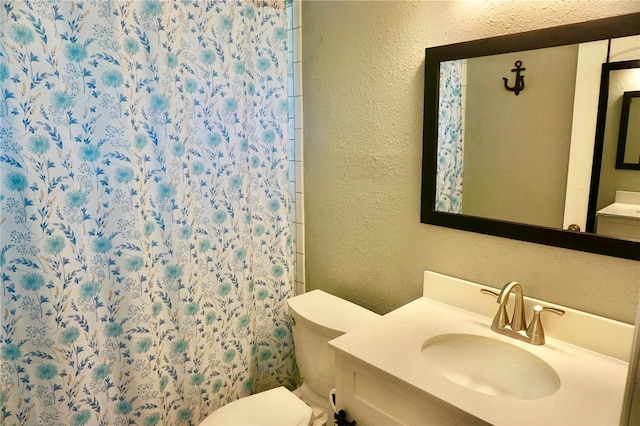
145,247
450,136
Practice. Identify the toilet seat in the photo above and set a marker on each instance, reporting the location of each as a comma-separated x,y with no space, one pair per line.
273,407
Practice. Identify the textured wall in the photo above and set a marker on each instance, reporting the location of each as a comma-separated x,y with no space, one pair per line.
516,142
363,74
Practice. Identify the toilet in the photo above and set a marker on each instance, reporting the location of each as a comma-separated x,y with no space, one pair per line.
318,317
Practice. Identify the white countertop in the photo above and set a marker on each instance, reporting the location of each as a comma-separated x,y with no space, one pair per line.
630,211
592,384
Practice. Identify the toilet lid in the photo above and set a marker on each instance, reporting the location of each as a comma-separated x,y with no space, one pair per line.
273,407
327,314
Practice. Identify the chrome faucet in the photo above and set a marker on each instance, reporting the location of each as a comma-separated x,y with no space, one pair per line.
516,327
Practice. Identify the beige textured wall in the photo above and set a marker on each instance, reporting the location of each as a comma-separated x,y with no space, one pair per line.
363,72
515,142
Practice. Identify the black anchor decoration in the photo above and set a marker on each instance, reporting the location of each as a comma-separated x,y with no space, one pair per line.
519,84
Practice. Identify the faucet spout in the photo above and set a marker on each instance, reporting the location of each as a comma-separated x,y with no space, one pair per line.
517,326
518,321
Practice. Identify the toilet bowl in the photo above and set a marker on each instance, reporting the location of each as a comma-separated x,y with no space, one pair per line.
318,317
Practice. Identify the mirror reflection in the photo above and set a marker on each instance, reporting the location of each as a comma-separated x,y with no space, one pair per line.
525,158
530,208
615,191
629,139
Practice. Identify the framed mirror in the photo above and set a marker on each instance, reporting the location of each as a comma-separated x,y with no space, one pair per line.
611,184
501,118
628,155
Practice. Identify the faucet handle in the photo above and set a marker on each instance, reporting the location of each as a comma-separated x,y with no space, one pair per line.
535,330
548,309
489,292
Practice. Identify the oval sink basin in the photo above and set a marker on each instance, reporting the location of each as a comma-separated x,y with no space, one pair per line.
490,366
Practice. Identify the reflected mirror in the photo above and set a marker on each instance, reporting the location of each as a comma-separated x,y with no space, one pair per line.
614,198
629,139
509,133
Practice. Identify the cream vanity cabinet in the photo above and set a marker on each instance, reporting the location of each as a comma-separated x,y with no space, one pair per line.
622,218
388,371
370,397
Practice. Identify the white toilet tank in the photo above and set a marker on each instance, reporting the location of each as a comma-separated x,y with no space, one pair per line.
320,317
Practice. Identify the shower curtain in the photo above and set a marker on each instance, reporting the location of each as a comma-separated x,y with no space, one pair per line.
450,136
145,238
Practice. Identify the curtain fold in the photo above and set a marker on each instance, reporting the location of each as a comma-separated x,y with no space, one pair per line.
145,242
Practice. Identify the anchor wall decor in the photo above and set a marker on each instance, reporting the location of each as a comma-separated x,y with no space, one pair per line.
519,84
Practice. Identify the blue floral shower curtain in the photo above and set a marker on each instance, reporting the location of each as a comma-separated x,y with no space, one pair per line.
450,136
145,241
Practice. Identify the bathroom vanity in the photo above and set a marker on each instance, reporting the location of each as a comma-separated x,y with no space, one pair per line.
621,219
437,361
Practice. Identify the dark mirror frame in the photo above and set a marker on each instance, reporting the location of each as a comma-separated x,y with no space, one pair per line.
622,136
602,29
